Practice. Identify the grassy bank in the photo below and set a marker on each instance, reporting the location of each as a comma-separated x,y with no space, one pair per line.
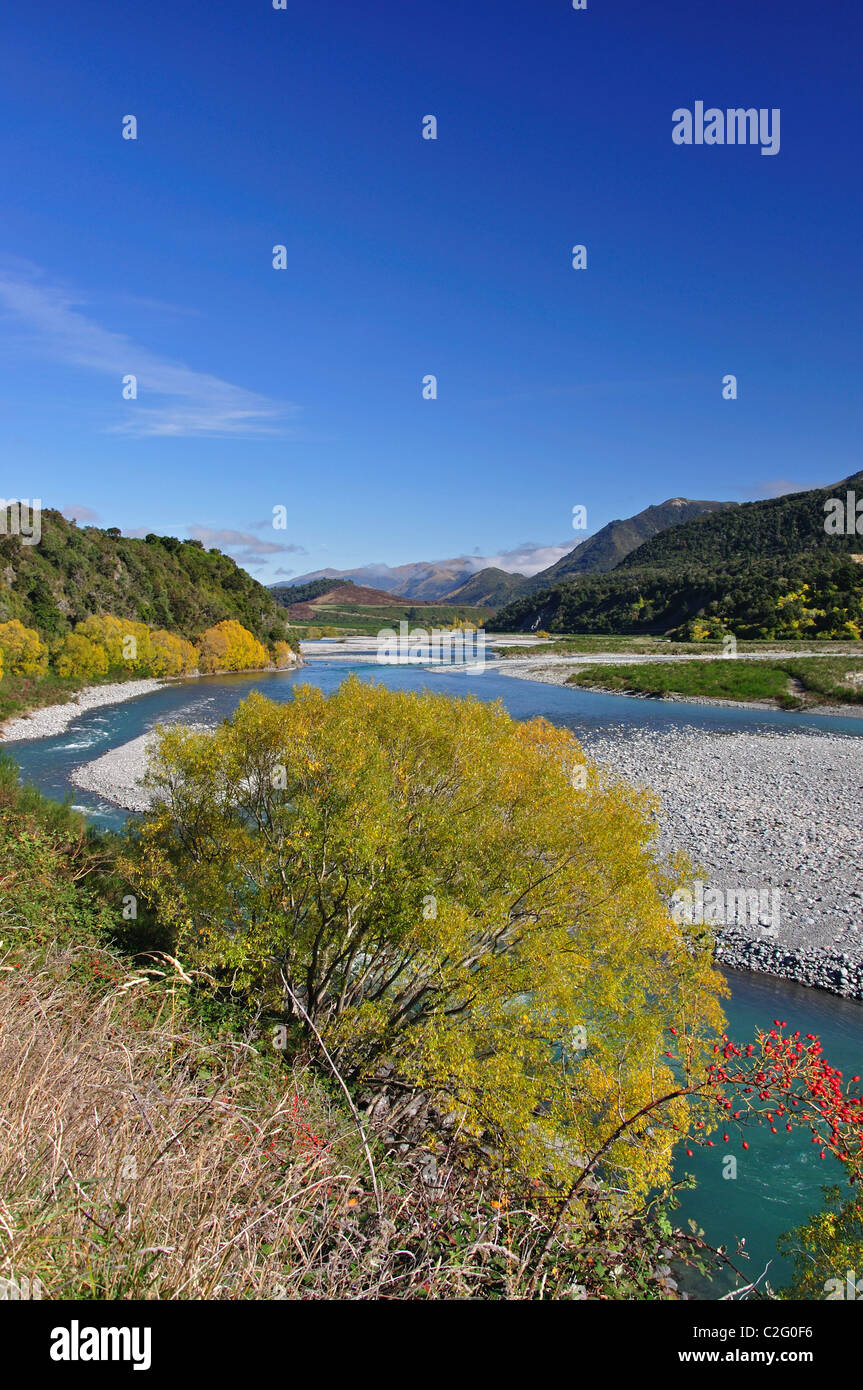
21,694
585,644
791,684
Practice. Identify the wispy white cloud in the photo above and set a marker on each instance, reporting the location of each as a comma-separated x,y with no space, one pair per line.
173,399
528,558
77,511
248,550
775,487
242,546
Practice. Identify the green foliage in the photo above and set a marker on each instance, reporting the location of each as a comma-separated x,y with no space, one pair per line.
619,539
734,679
49,865
748,597
29,692
728,680
776,528
827,1250
75,573
836,678
439,890
745,568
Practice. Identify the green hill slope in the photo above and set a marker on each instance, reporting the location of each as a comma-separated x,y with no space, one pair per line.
778,527
618,539
491,587
743,569
75,573
595,555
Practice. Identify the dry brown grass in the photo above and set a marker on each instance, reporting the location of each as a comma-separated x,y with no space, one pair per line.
142,1161
138,1159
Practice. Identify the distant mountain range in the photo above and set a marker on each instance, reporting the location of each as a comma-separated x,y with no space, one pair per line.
423,580
432,580
472,580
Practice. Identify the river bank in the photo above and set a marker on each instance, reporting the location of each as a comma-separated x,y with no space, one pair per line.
769,806
775,813
55,719
556,670
49,720
117,776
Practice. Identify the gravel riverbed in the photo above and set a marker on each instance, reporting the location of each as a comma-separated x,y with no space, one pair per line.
117,775
770,811
55,719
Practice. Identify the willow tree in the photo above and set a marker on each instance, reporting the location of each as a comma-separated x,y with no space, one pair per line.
443,895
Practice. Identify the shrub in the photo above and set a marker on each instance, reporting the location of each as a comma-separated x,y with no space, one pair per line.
23,652
80,658
445,895
230,647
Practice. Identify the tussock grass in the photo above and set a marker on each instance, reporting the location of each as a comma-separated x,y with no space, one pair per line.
144,1161
140,1159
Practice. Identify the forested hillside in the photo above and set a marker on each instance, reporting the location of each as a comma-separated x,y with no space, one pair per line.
76,573
610,546
762,570
778,527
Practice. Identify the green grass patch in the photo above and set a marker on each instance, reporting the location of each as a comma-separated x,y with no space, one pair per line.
831,677
585,643
724,680
823,680
21,693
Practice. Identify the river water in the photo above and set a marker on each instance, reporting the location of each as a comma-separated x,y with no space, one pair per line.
779,1178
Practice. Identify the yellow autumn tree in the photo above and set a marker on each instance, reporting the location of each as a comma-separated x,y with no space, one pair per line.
171,655
24,653
80,658
456,902
126,643
228,646
283,654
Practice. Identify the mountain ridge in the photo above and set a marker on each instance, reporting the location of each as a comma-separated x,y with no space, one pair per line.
758,569
459,579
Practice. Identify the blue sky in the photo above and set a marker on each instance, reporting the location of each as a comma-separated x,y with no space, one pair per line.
303,387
